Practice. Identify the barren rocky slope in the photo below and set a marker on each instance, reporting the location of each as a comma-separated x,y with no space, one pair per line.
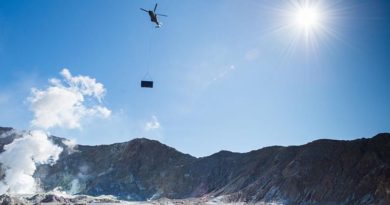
320,172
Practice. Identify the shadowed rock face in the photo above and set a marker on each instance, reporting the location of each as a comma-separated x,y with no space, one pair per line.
6,137
320,172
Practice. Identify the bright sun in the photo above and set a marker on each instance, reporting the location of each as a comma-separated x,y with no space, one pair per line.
306,23
308,18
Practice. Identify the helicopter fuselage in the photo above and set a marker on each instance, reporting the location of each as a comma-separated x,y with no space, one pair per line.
153,17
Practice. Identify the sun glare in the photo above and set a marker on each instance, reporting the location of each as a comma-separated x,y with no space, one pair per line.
308,21
309,25
307,18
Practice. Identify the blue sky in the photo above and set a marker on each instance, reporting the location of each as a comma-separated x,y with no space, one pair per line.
226,78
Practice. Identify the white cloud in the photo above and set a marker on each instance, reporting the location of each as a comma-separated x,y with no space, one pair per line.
20,158
84,84
63,103
152,124
71,144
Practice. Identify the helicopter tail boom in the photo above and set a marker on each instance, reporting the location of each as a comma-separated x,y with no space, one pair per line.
155,7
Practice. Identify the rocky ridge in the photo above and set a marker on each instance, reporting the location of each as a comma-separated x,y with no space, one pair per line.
320,172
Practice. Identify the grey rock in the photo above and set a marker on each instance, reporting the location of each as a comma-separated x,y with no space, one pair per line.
320,172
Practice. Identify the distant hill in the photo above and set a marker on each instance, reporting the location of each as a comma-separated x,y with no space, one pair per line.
320,172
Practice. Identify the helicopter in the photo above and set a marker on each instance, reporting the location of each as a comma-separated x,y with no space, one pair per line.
153,16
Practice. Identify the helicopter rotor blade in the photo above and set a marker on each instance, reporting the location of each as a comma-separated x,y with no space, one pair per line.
144,10
155,7
162,15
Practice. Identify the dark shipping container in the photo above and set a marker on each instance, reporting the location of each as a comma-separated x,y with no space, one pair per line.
146,84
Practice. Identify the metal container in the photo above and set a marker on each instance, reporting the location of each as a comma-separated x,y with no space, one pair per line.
146,84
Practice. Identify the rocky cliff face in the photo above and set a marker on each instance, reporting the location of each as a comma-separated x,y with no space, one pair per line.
320,172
